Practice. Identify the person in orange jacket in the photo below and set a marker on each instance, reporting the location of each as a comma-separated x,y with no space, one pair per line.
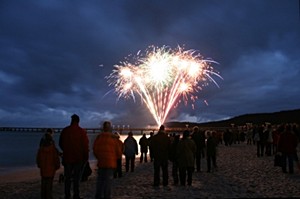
48,161
106,150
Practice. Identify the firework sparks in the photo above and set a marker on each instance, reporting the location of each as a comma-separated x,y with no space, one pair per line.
161,77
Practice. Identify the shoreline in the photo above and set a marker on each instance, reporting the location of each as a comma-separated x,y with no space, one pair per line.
240,174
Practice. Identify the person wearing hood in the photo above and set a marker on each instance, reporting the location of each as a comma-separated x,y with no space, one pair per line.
47,160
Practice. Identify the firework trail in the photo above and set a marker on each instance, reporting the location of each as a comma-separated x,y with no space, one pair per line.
161,76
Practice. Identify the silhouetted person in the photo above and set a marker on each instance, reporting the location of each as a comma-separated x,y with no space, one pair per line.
143,142
261,141
199,138
211,152
75,146
150,148
173,159
48,161
269,140
160,144
130,151
287,145
227,137
186,150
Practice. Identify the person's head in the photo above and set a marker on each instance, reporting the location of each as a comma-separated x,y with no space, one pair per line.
186,134
49,131
176,137
288,128
196,129
75,119
48,140
130,134
107,126
208,134
161,128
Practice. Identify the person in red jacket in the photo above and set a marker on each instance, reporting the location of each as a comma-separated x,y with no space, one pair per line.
287,145
107,150
48,161
75,146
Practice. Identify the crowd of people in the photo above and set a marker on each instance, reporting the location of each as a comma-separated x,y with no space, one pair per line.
184,151
270,140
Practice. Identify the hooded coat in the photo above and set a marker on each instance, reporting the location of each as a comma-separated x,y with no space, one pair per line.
47,160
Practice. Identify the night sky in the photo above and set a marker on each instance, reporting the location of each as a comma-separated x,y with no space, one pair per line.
55,55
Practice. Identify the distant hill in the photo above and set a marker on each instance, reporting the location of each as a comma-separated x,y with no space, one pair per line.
290,116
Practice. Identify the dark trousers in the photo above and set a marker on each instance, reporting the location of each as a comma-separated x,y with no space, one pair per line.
185,175
129,161
288,158
118,170
211,159
260,148
269,149
163,165
72,173
199,155
104,183
151,154
143,157
175,173
46,188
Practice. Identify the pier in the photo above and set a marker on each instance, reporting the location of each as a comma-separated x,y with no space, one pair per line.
119,130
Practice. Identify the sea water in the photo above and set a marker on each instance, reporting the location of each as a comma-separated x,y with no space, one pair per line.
18,149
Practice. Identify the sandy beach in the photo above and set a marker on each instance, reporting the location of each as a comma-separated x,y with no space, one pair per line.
240,174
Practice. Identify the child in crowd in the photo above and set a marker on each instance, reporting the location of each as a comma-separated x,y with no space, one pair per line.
48,161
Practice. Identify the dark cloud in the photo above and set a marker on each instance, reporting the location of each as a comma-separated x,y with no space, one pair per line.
55,55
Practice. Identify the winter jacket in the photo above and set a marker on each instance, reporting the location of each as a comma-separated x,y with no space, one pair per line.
199,139
107,150
75,144
143,144
47,160
186,150
211,146
131,147
160,144
287,143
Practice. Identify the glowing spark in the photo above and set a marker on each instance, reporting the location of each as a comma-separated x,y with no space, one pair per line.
161,77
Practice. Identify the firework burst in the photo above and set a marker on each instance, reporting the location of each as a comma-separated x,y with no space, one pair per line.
161,76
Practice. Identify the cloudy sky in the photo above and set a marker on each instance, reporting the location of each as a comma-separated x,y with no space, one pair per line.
55,55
